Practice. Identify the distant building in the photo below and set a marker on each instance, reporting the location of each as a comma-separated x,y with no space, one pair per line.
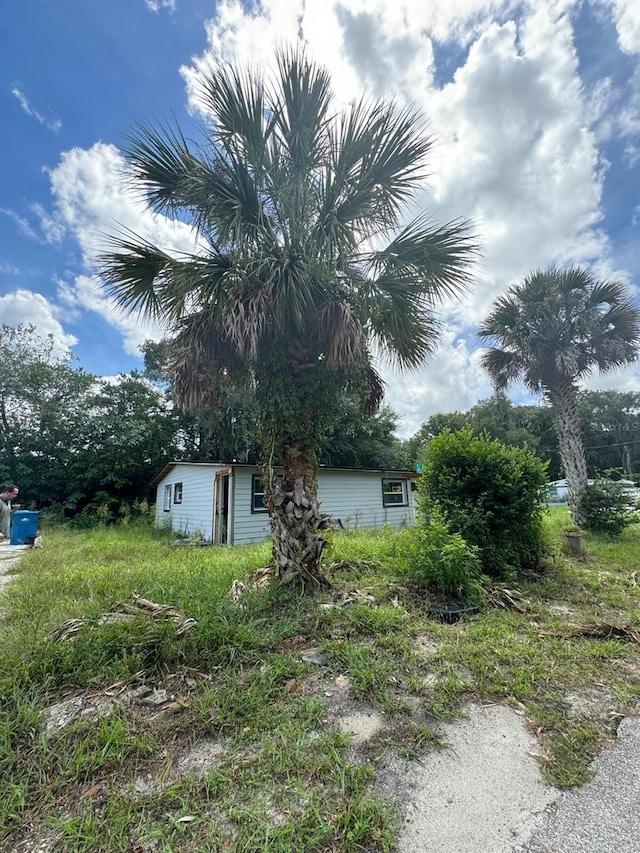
558,492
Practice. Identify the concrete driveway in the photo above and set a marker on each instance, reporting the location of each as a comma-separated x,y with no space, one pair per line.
9,558
485,793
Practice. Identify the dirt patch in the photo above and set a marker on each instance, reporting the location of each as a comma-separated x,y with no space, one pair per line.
426,646
562,608
592,703
362,725
196,761
36,840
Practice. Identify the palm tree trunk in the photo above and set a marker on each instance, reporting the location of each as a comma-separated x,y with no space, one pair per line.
564,406
296,524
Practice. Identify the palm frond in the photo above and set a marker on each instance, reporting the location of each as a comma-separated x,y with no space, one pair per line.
437,260
339,327
142,278
227,205
202,358
378,155
301,104
559,324
162,167
375,389
395,163
403,326
131,273
503,367
236,100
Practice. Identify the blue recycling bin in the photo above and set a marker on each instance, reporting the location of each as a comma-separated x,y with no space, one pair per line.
24,526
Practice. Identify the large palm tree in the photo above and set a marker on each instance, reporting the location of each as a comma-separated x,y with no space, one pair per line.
302,270
551,331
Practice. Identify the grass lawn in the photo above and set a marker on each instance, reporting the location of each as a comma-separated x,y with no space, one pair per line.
245,750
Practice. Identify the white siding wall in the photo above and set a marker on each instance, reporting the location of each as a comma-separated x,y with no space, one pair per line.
247,526
195,513
355,497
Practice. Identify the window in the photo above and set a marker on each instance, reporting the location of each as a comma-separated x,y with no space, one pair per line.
257,494
167,498
394,493
177,493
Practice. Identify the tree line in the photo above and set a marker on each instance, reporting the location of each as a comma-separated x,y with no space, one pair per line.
87,447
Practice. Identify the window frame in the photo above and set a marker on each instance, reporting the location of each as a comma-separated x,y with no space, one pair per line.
257,493
167,497
386,492
177,493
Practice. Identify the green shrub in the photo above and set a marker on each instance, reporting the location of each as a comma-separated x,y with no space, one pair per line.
606,508
491,494
443,562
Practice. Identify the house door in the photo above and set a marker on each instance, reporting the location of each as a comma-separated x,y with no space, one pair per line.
221,509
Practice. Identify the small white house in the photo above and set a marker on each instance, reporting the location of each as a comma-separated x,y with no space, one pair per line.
224,503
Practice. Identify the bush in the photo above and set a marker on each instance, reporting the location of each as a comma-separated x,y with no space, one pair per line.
491,494
606,507
443,562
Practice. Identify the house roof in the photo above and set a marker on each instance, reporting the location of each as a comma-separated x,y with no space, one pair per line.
410,475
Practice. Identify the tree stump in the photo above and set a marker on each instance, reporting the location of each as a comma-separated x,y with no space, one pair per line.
574,544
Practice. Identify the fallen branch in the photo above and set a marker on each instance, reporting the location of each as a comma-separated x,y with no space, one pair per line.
501,596
258,579
128,611
601,630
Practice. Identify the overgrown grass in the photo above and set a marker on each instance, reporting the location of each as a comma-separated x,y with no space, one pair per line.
286,778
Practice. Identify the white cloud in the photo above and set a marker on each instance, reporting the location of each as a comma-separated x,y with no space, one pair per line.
156,5
49,122
27,307
85,292
515,154
451,381
92,200
626,14
623,379
24,226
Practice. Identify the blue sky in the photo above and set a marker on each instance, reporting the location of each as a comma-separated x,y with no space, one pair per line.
535,108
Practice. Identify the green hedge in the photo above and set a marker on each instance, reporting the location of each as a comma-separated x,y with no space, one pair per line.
491,494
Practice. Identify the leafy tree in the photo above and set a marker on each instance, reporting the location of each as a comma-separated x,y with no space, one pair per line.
42,412
551,332
221,427
611,430
67,436
607,507
518,426
301,266
413,449
357,441
130,431
498,417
